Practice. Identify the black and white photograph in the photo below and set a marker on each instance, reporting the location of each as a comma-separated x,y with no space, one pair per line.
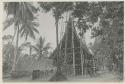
63,41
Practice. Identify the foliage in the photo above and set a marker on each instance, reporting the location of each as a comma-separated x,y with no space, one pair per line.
106,20
58,8
23,16
41,48
8,52
23,20
112,33
110,28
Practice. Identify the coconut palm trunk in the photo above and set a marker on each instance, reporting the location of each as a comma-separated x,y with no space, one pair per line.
15,52
23,17
58,57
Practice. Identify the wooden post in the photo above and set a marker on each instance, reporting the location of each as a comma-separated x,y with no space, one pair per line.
66,30
58,64
85,64
93,65
65,57
65,49
73,47
60,51
83,59
81,52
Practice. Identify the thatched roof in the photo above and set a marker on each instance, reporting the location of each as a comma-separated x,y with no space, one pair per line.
28,63
77,40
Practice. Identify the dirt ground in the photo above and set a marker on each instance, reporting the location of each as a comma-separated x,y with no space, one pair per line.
105,77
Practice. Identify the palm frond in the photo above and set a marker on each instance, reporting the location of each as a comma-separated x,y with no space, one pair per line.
28,29
47,47
31,8
11,8
41,47
8,22
35,48
46,6
23,14
35,30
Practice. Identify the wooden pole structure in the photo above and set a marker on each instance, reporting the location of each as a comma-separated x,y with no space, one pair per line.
84,59
60,47
65,57
85,62
73,46
81,52
58,58
94,67
60,51
66,30
86,73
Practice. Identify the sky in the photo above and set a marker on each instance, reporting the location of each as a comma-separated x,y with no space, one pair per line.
47,29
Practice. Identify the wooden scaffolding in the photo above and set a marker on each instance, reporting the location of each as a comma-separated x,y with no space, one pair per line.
76,59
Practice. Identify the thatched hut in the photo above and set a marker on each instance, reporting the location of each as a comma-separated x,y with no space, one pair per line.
28,64
73,52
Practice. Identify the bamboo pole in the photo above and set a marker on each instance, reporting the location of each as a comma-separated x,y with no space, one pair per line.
15,51
60,42
58,58
94,65
73,47
81,52
85,64
85,60
66,30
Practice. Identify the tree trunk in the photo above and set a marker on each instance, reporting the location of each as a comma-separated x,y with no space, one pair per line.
65,57
73,49
56,23
58,75
16,50
13,36
58,58
66,31
81,52
30,50
18,59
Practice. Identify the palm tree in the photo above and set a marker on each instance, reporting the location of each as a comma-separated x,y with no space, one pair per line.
28,45
58,8
41,49
8,53
21,48
23,20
